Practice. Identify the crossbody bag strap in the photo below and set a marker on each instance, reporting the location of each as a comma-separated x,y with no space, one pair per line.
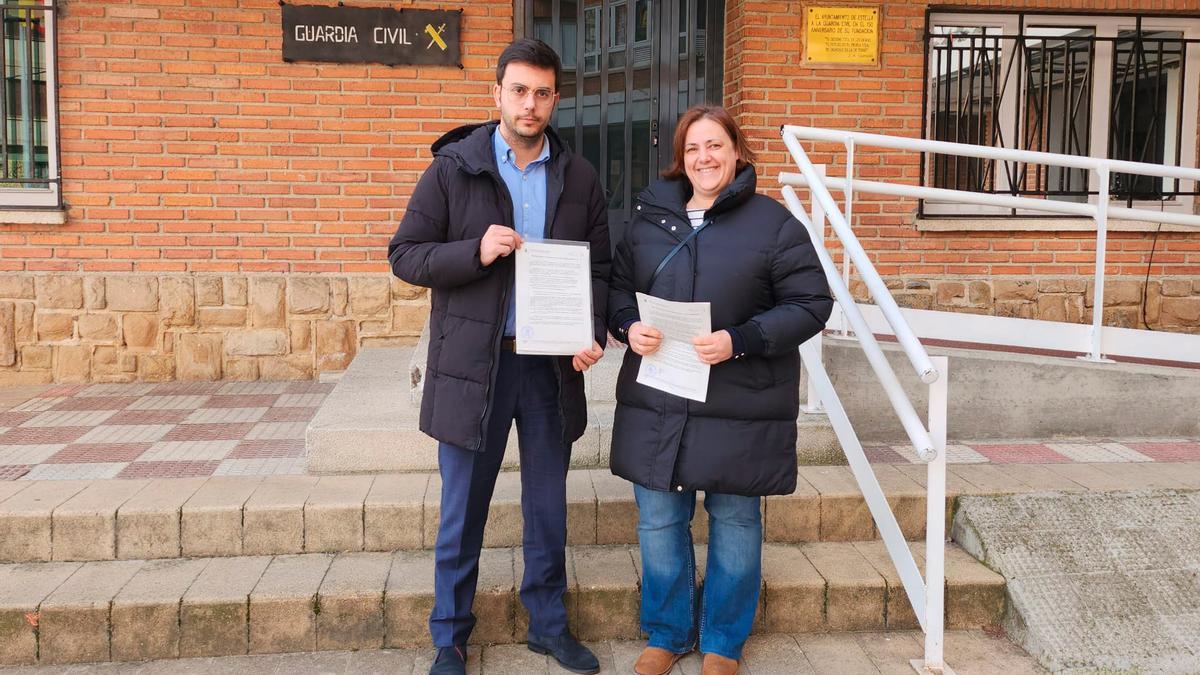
695,231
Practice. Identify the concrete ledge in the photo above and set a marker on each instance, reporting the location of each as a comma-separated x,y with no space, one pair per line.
1007,395
370,422
130,610
227,516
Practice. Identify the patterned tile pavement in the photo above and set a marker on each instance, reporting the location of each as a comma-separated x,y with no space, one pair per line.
176,429
179,429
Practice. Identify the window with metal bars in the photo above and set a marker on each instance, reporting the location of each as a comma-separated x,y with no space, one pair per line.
28,144
1123,87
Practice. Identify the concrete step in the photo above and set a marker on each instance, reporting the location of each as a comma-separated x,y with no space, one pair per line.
43,521
55,613
369,423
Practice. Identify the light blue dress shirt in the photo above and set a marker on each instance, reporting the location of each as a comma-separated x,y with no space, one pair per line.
528,190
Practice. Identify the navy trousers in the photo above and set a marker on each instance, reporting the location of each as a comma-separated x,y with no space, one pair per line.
526,391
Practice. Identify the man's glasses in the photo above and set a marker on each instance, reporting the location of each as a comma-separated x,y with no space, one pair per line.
516,93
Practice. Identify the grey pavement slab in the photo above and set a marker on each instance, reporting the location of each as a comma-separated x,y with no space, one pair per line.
273,517
22,589
793,518
1096,580
333,514
608,596
393,512
85,526
855,591
794,599
210,521
283,605
145,613
407,600
804,654
844,514
616,510
25,519
73,621
214,611
148,523
350,602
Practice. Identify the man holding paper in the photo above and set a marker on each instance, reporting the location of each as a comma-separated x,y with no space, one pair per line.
492,188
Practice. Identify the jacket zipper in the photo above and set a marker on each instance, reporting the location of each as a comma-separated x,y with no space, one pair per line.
495,365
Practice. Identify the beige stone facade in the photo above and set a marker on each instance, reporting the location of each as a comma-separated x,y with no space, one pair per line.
1171,305
121,328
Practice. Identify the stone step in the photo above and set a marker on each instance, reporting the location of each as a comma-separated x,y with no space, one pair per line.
44,521
131,610
369,423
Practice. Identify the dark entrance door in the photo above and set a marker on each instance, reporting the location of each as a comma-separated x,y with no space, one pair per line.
630,67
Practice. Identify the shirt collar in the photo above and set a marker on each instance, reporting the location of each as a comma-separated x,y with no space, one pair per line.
505,154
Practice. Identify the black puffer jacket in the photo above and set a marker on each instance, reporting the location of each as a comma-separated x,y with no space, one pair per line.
756,266
437,245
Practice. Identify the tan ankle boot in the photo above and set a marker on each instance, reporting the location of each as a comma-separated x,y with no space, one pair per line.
715,664
655,661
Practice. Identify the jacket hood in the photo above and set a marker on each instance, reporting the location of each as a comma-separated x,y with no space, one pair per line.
674,193
471,145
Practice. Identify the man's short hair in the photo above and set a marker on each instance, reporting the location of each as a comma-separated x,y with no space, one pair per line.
533,52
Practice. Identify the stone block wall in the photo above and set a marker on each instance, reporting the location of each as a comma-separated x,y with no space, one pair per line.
1169,305
121,328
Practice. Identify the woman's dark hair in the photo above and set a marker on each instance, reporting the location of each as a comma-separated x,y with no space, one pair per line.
717,114
531,51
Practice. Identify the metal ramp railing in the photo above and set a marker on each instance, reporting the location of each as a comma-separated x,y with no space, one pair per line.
926,594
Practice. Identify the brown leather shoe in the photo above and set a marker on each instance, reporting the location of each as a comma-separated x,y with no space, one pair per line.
715,664
655,661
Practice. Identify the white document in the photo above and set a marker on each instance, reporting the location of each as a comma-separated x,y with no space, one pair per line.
675,368
554,298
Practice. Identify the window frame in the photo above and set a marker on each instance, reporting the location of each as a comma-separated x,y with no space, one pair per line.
1105,26
49,198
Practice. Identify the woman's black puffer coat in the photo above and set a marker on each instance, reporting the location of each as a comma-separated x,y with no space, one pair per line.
756,266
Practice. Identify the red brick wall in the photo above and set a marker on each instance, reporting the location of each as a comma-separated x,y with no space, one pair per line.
766,86
188,145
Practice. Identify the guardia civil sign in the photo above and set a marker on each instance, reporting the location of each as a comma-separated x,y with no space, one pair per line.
371,35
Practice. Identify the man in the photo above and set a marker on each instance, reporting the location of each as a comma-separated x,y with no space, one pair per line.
491,187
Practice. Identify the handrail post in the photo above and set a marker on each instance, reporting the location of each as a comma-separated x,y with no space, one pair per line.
813,405
818,218
935,523
849,210
1094,353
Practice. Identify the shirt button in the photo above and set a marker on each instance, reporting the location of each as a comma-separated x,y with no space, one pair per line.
663,221
679,488
639,207
672,228
527,206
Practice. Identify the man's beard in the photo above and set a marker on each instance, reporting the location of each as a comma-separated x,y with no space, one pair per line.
528,138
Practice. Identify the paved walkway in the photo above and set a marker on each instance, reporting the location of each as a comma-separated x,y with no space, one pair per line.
189,429
836,654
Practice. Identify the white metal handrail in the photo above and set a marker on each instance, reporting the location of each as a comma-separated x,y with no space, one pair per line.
1099,211
925,595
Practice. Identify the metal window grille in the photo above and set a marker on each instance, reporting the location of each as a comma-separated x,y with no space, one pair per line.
1035,90
28,153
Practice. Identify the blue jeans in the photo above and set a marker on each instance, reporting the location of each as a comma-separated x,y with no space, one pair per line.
672,613
526,391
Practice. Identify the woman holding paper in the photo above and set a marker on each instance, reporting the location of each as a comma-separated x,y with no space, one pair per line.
702,234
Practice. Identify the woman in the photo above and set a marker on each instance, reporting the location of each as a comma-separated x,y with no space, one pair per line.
746,256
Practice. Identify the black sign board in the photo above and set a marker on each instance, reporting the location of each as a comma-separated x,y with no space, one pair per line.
371,35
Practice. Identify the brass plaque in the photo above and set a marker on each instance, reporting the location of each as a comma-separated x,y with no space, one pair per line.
841,36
